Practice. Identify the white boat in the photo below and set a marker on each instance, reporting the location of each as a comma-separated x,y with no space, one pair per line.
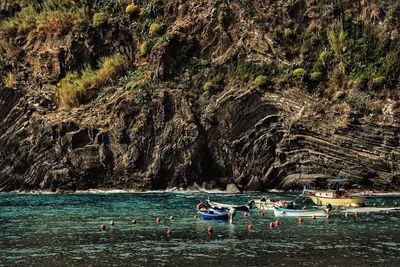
283,212
263,203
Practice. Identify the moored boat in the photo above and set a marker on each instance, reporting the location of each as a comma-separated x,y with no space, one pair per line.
283,212
223,206
336,195
207,213
288,209
263,203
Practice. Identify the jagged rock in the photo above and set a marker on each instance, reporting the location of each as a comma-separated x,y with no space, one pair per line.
232,188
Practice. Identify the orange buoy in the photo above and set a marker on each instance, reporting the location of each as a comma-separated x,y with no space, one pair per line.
300,220
210,230
158,220
112,222
250,227
356,213
271,225
277,223
245,214
103,227
133,221
169,232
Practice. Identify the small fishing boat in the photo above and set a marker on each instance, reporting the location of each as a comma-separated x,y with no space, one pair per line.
288,209
263,203
207,213
223,206
336,195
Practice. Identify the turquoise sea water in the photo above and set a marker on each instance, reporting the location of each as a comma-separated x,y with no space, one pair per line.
64,230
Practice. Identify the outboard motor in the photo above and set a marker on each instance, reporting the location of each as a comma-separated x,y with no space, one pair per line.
329,207
231,214
251,204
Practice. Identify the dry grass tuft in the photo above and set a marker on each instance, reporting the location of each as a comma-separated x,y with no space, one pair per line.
79,87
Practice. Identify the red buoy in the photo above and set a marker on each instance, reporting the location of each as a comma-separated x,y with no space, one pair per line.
169,232
133,221
250,227
356,213
277,223
112,222
158,220
103,227
210,230
271,225
300,220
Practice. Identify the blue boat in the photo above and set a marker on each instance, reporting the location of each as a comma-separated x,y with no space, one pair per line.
222,206
207,213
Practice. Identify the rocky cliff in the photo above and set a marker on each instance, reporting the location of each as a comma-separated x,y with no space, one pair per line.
252,95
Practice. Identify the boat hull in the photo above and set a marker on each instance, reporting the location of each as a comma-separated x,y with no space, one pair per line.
322,201
217,217
282,212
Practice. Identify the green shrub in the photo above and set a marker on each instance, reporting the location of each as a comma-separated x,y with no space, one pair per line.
316,76
144,48
337,38
99,19
209,86
287,32
261,81
299,72
132,9
379,80
324,57
155,29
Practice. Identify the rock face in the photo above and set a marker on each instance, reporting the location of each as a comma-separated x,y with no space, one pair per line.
239,138
252,146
